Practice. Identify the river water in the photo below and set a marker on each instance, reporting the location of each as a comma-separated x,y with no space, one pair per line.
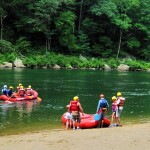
57,87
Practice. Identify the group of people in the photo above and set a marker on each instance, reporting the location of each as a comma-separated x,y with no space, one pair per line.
21,91
75,110
117,107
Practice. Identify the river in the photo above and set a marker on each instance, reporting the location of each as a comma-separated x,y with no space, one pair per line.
57,87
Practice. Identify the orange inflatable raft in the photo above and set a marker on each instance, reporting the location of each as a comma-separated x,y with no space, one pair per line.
87,121
19,98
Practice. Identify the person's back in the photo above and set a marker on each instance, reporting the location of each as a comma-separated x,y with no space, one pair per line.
5,90
102,108
75,109
10,91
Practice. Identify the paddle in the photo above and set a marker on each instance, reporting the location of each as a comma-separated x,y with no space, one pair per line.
39,99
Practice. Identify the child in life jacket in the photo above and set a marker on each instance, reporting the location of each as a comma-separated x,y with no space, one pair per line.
68,117
114,107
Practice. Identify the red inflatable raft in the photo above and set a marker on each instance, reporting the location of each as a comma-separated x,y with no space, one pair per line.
18,98
87,121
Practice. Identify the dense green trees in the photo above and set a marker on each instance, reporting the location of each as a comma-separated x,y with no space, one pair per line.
95,28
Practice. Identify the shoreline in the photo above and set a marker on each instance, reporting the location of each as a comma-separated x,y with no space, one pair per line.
133,136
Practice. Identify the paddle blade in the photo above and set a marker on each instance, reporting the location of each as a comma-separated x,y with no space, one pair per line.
39,99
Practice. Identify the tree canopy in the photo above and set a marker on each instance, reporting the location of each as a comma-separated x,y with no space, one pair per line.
95,28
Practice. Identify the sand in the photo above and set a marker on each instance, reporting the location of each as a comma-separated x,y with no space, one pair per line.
127,137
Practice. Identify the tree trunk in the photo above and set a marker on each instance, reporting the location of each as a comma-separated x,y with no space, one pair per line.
119,45
80,17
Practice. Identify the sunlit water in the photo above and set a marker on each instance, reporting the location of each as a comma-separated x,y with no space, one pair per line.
58,87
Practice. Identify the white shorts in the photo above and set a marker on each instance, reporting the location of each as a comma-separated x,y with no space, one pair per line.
119,111
68,116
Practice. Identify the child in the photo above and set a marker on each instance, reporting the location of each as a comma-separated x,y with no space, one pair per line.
68,117
114,107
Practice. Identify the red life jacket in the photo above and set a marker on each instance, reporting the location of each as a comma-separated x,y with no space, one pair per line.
74,106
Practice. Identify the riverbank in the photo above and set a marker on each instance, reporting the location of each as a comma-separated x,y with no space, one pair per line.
131,137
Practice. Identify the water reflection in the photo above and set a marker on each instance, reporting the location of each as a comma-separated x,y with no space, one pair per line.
21,107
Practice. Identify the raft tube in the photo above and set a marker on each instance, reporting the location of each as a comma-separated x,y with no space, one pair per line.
18,98
87,121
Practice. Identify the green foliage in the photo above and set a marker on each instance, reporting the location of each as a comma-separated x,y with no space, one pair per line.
137,65
5,46
10,57
2,58
22,45
113,63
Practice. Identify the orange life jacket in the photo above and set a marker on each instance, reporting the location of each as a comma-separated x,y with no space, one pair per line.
74,106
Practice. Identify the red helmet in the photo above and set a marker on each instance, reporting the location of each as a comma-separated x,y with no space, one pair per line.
102,96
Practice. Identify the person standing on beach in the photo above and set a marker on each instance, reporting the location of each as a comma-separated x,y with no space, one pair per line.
102,108
120,104
114,107
68,117
75,109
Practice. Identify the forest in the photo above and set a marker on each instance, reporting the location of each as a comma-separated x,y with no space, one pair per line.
111,29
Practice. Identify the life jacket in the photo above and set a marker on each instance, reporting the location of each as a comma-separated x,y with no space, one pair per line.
74,106
103,103
122,100
29,92
21,92
4,91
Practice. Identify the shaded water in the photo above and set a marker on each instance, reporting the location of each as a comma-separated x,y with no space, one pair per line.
58,87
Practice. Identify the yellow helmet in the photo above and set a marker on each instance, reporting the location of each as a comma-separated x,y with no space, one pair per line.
21,87
119,94
11,87
114,98
76,98
20,84
29,86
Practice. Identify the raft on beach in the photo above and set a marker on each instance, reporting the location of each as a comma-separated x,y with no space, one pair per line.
88,121
17,97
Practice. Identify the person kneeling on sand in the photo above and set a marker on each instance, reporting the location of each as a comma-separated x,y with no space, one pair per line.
75,109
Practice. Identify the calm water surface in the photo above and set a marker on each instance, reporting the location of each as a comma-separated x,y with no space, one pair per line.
58,87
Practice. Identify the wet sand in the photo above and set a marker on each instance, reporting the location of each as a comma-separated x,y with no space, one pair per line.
127,137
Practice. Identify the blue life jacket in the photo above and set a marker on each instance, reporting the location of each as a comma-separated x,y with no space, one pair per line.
103,103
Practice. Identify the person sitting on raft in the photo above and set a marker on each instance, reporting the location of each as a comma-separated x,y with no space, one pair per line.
22,92
19,86
29,91
5,90
10,92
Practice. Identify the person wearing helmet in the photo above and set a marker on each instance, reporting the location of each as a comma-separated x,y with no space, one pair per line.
119,109
5,90
10,91
102,108
114,107
22,91
29,91
19,86
75,109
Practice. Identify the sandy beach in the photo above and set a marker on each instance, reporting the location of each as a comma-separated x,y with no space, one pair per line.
127,137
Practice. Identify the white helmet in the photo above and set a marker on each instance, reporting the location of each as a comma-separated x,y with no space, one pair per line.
5,86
